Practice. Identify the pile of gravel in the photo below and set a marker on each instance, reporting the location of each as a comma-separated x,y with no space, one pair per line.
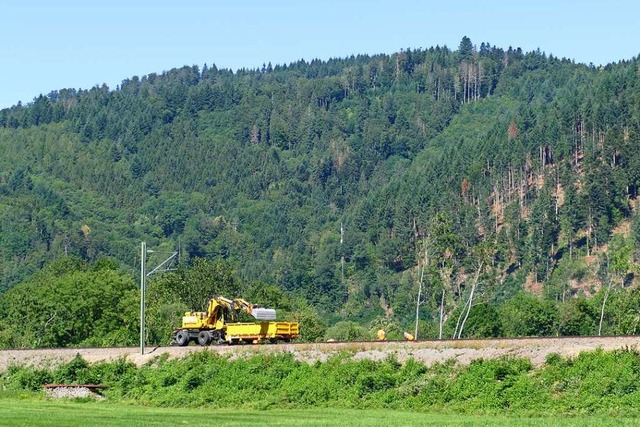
72,392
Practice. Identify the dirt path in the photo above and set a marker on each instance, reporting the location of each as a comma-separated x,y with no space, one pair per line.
428,352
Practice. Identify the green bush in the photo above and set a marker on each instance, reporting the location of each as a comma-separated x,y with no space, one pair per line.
76,371
526,316
347,331
483,322
29,379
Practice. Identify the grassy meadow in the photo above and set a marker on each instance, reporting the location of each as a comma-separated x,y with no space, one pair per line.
594,388
34,412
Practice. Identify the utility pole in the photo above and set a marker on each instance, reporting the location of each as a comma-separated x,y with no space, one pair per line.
143,286
143,255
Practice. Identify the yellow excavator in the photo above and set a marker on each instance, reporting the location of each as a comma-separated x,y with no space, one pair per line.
206,327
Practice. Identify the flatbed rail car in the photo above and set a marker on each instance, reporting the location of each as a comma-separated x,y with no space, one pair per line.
236,333
263,331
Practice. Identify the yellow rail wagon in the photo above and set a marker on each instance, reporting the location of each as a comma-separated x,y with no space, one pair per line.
206,327
256,332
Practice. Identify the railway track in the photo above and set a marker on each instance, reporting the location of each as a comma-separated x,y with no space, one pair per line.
426,351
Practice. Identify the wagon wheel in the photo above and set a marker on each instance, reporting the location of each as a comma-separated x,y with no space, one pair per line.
182,338
204,338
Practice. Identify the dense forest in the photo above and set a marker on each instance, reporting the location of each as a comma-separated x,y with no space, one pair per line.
495,187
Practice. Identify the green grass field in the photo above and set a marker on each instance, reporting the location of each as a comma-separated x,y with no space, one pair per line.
35,413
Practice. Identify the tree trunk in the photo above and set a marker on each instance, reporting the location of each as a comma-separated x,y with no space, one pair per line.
426,261
467,305
570,243
473,289
455,331
604,301
441,314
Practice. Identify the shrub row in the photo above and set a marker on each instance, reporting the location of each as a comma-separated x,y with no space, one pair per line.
598,382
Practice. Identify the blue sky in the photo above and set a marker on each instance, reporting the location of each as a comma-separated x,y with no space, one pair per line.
49,45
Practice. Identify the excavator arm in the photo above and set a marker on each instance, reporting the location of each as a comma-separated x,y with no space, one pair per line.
218,305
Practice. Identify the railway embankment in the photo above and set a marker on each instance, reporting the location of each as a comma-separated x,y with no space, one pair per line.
427,352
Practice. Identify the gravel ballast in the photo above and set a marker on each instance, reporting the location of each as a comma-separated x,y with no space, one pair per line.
427,352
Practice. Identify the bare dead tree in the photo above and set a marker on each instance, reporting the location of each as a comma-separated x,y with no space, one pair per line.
470,302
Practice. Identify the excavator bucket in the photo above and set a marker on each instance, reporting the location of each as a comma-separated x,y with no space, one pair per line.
264,313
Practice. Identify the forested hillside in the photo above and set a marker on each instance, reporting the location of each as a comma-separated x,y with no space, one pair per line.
460,177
